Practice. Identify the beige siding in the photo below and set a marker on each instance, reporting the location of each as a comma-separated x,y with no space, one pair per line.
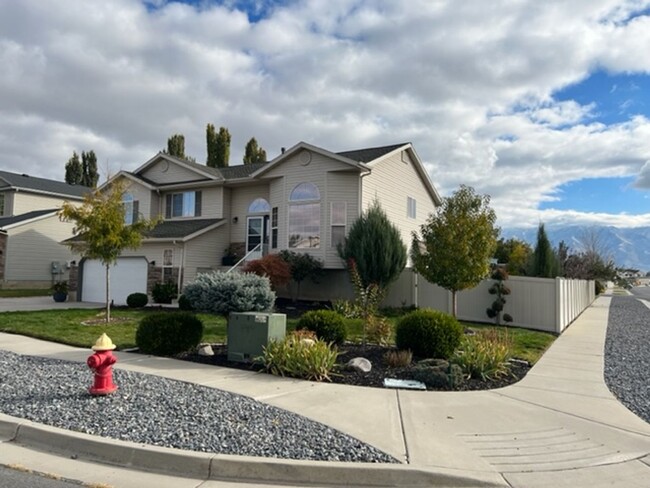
146,206
26,202
204,251
341,187
31,249
293,172
168,172
392,181
240,199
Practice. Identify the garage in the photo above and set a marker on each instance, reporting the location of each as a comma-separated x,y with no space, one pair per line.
128,275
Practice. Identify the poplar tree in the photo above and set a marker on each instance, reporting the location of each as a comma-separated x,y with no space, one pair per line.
176,146
73,170
90,176
212,146
222,145
253,153
457,242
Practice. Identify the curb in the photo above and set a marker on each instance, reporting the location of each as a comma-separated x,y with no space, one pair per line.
223,467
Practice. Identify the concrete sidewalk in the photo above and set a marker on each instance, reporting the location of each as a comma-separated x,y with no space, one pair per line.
559,427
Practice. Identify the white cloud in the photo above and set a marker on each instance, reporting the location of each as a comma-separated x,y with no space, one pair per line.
470,84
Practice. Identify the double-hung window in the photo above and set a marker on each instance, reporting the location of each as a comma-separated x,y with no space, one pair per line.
130,209
185,204
337,223
411,211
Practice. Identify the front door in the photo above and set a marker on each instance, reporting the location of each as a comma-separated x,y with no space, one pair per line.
255,235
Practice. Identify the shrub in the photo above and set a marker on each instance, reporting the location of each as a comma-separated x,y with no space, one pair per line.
346,308
223,293
438,373
184,304
398,358
600,288
272,266
428,333
168,333
137,300
302,266
299,358
164,292
328,325
485,355
379,330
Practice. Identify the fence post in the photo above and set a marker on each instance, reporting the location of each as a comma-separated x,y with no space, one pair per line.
559,305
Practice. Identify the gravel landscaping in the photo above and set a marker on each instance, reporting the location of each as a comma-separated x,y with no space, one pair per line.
158,411
627,354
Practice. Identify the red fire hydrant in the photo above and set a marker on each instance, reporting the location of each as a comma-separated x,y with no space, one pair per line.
102,365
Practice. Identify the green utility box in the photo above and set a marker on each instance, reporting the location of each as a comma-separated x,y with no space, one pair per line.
249,332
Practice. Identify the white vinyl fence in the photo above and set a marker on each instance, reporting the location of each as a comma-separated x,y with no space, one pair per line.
534,303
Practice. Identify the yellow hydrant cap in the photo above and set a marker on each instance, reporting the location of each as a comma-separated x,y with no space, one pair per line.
104,343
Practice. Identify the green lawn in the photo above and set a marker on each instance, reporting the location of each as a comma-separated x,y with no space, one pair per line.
65,326
14,293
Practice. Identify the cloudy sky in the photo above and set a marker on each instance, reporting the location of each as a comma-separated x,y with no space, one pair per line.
543,105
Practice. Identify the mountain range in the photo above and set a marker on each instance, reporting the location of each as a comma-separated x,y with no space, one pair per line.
629,247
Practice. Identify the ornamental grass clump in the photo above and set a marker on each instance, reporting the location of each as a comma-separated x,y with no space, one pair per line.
300,357
485,355
398,358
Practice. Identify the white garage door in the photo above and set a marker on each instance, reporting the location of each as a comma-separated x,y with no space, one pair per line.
128,275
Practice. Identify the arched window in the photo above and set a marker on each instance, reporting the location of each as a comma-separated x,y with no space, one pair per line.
259,205
304,191
304,217
127,201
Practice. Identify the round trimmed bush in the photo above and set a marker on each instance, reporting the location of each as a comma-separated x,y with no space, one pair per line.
168,333
428,333
328,325
137,300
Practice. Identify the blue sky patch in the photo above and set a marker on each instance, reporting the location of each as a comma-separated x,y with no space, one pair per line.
607,195
617,97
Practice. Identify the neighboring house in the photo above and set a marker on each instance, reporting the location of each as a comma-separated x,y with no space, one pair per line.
30,231
304,200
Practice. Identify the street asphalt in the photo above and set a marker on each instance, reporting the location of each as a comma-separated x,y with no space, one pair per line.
560,426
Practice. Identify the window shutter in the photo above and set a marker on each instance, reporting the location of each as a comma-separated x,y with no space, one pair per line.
197,204
168,207
136,210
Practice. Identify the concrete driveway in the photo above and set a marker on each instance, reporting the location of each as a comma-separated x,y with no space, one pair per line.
41,303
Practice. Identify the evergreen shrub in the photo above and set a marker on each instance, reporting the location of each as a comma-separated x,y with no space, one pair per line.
137,300
168,333
428,333
222,293
164,292
328,325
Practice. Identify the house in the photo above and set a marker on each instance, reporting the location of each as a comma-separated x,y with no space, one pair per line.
304,200
30,231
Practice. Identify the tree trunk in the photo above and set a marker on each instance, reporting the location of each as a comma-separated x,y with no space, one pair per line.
108,293
454,304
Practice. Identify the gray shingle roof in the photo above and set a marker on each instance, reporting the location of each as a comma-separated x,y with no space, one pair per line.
240,171
369,154
171,229
15,180
5,221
